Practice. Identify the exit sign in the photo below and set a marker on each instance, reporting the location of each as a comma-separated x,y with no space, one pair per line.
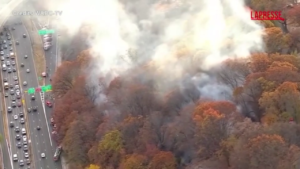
44,32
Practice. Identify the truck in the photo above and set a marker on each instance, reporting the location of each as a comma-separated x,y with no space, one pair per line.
12,55
57,153
6,85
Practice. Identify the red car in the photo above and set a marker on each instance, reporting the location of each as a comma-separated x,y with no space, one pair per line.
49,104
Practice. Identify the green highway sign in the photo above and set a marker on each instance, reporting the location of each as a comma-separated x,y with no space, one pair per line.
46,88
44,32
31,90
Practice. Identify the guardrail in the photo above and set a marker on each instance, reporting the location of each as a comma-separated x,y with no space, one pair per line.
7,10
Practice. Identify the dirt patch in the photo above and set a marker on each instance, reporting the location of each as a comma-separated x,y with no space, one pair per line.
37,47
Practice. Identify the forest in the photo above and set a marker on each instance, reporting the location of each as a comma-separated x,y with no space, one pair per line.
139,127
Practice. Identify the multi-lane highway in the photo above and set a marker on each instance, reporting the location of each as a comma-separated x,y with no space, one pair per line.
40,140
13,117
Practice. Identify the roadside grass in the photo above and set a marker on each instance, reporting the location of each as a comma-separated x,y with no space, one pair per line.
38,51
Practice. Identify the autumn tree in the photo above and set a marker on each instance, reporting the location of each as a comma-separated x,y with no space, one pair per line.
259,62
109,149
284,102
134,161
93,166
164,160
64,78
276,40
291,59
261,152
210,131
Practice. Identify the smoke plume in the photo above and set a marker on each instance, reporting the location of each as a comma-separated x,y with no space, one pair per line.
177,39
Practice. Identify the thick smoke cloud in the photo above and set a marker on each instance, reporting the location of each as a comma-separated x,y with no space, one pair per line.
178,39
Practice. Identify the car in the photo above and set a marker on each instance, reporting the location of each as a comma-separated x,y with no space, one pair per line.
17,43
32,97
24,36
12,92
4,41
13,63
27,70
9,109
29,109
18,96
19,145
2,58
25,56
9,70
7,34
11,86
13,99
16,117
17,87
17,91
9,38
9,43
17,129
15,157
15,78
5,79
21,114
22,64
1,53
26,155
11,49
8,63
25,148
22,120
24,137
28,162
14,69
16,82
6,94
24,142
24,83
47,44
38,128
13,104
44,74
1,48
48,103
19,104
11,124
18,137
21,162
43,155
34,108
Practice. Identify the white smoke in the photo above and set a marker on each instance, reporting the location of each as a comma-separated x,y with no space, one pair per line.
174,36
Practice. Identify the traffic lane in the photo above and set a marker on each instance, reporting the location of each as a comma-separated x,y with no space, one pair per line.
50,55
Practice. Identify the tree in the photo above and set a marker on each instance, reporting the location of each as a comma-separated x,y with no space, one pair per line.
64,78
283,102
276,40
261,152
134,161
163,160
259,62
282,73
93,166
109,148
295,61
233,72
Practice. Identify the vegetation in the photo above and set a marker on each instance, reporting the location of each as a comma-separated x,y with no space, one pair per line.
139,127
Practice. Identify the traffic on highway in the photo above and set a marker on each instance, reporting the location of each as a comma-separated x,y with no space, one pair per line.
30,144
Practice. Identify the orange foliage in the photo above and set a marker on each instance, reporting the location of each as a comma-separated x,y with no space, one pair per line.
164,160
259,62
134,161
222,107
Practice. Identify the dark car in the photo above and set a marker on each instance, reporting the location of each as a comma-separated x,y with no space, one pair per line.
6,94
13,104
9,70
14,69
16,82
21,114
28,161
24,36
18,96
9,43
13,99
17,43
19,145
19,104
34,108
32,97
18,137
5,79
11,124
8,38
17,129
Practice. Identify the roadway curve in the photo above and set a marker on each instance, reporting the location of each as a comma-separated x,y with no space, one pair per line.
40,140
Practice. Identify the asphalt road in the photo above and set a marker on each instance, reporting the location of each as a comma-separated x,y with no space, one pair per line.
40,140
16,111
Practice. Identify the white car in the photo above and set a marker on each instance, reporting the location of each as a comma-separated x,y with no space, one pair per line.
24,83
27,70
43,155
24,138
17,91
15,157
16,117
26,155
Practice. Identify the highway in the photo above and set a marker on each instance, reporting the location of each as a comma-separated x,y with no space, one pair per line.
15,111
40,140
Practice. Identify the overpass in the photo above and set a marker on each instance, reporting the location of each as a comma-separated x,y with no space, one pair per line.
6,11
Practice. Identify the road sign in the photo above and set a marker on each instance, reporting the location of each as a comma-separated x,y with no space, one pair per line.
46,88
23,101
44,32
31,90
